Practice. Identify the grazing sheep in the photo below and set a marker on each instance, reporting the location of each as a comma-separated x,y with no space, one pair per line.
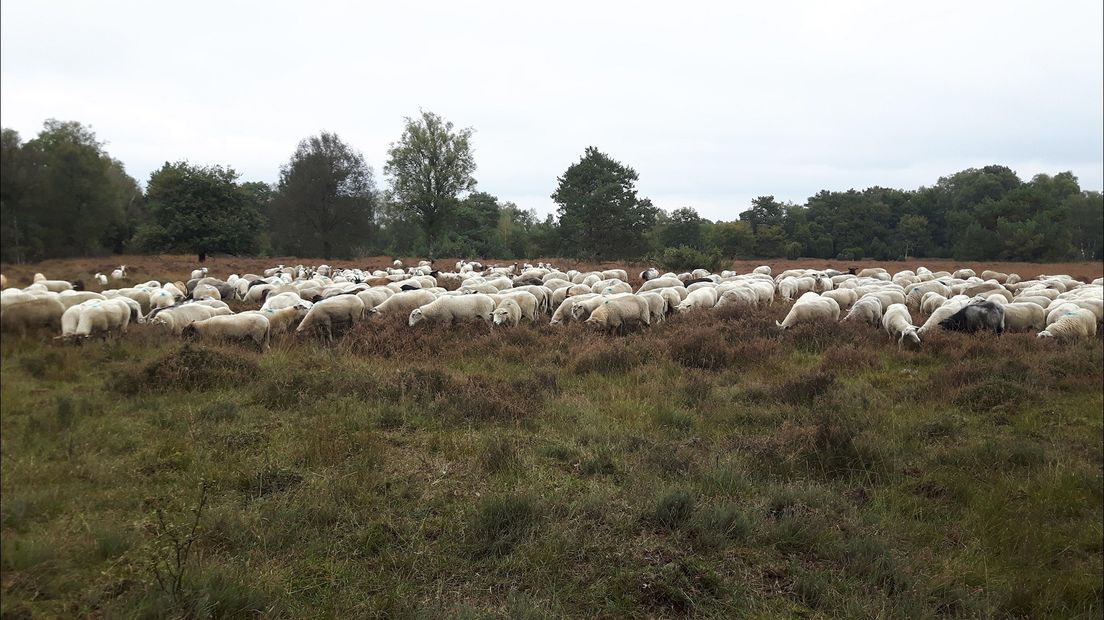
100,279
659,282
1020,317
374,296
985,315
179,317
563,311
619,313
866,309
54,286
403,303
524,299
702,298
898,324
1071,324
810,308
740,296
763,269
454,309
283,320
650,273
72,298
95,316
205,291
507,313
284,300
31,313
657,306
199,273
845,297
931,301
245,326
343,311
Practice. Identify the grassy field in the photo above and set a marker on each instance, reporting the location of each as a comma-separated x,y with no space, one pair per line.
709,466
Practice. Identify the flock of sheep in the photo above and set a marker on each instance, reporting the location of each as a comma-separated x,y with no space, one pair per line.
323,300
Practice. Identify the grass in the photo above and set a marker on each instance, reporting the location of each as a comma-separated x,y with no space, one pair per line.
706,466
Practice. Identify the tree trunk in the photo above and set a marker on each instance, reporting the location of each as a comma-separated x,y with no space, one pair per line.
202,256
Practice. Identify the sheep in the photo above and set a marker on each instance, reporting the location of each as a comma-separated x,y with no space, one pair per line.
507,313
1024,317
245,326
72,298
206,291
898,324
374,296
403,303
657,306
1071,324
618,313
650,273
199,273
344,311
54,286
740,296
581,311
284,300
455,309
100,279
95,316
703,298
866,309
525,300
975,316
179,317
32,313
3,281
563,311
659,282
845,297
809,308
763,269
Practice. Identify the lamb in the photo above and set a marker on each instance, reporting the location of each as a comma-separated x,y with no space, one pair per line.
245,326
975,316
455,309
33,313
1071,324
343,311
866,309
618,313
810,308
898,324
507,313
403,303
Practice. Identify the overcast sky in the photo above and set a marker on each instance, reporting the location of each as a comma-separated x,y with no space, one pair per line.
712,104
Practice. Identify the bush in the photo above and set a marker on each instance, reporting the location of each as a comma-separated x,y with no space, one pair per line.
703,349
685,258
189,368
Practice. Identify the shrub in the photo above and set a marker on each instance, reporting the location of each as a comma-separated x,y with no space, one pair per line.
684,258
607,358
805,389
188,368
702,348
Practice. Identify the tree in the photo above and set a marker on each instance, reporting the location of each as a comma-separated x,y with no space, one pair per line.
600,214
325,201
732,239
429,167
683,229
764,211
62,195
199,209
1086,212
912,235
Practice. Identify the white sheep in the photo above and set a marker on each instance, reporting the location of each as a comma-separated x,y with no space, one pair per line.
95,316
845,297
100,279
1074,323
24,314
344,310
507,313
199,273
455,309
699,299
618,313
810,308
1024,317
867,309
402,304
897,322
563,311
244,326
205,291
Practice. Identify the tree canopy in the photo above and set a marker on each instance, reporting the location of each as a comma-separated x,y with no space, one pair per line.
199,209
430,167
325,202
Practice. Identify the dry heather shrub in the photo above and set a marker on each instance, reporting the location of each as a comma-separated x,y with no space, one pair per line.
805,389
850,358
830,442
608,356
487,399
188,368
702,348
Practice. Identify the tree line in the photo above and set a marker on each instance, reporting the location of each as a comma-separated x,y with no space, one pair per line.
62,194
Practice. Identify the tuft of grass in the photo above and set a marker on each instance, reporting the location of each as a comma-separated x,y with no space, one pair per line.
219,411
672,510
499,523
499,454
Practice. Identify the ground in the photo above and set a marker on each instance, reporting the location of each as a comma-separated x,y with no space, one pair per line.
709,466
